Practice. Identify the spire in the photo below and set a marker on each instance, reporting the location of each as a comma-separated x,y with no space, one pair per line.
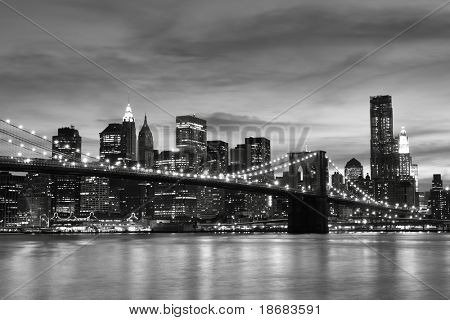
145,120
128,117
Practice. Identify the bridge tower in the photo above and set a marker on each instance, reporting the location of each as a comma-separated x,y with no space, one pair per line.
308,213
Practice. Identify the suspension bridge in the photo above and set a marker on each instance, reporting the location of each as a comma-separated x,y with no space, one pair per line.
308,188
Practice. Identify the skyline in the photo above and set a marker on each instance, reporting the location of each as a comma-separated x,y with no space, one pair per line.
234,57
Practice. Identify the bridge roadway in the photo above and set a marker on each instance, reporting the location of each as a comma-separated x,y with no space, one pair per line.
50,166
304,205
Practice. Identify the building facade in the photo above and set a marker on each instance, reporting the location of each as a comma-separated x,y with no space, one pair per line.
128,140
111,144
65,190
145,146
191,141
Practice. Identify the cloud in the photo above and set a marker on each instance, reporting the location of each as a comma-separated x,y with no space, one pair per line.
233,63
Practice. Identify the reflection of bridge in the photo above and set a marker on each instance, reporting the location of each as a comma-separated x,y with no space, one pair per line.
308,190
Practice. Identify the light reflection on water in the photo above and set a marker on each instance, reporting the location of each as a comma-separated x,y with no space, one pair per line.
207,266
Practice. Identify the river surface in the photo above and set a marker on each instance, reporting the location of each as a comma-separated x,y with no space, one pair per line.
225,266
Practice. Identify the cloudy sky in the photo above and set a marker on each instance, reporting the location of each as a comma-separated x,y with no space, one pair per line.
236,63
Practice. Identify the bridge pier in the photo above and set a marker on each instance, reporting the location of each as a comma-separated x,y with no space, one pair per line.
308,215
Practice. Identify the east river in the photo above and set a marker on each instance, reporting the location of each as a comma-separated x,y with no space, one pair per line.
225,266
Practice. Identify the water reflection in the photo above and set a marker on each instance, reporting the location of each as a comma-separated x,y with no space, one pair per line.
189,266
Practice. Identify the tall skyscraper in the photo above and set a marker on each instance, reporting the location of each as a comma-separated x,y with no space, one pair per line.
404,157
111,143
383,148
65,190
128,139
217,157
145,146
382,142
211,201
259,150
191,141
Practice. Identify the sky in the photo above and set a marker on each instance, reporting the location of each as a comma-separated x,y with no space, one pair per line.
237,64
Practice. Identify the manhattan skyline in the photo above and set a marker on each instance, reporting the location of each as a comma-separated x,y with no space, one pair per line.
223,62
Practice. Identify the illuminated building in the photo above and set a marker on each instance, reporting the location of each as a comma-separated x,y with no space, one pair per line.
94,196
415,174
191,141
259,150
260,153
404,166
37,198
211,201
383,159
239,158
217,157
10,188
437,198
65,190
403,189
111,143
172,161
354,170
128,139
145,146
174,202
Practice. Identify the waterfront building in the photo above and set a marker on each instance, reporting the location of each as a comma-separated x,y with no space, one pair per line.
65,190
94,197
10,188
437,198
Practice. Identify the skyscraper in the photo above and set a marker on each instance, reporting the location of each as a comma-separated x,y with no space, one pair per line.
67,144
437,198
217,157
383,146
94,197
259,150
239,158
65,190
191,141
145,146
128,139
10,189
354,170
111,143
382,142
404,157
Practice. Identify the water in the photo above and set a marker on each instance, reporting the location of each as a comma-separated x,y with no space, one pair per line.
209,266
